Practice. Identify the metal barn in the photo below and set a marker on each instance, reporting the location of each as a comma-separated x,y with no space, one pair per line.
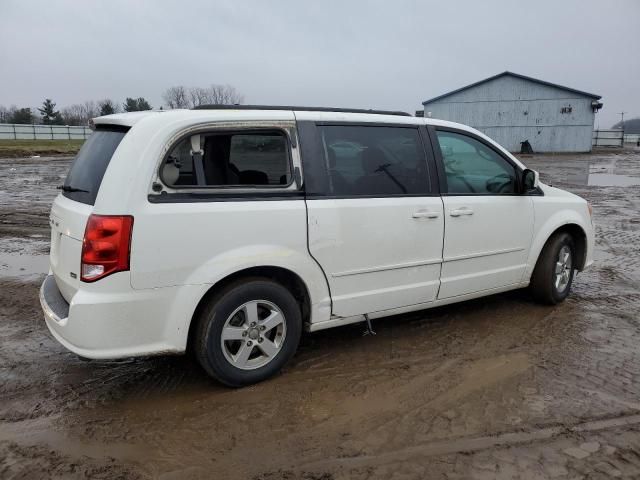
513,108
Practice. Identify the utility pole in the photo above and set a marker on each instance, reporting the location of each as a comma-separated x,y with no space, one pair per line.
622,119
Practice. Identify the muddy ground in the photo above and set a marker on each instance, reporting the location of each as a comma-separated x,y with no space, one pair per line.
495,388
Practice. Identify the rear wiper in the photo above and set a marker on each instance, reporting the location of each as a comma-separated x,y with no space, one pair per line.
66,188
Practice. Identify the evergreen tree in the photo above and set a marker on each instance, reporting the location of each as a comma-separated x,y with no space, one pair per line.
143,104
50,116
135,104
21,115
107,107
130,105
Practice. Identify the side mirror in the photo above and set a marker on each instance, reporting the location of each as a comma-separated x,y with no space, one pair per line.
530,180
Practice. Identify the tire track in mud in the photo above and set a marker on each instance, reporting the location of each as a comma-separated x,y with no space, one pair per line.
21,462
470,445
474,376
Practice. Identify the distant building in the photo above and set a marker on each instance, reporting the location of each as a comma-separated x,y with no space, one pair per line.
512,108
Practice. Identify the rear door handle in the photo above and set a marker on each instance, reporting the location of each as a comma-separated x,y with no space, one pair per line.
461,211
425,214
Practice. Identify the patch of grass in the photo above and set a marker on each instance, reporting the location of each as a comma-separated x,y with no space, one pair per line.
27,148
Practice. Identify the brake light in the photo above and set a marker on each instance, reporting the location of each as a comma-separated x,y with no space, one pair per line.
106,246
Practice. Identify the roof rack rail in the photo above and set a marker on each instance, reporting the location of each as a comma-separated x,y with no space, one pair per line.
307,109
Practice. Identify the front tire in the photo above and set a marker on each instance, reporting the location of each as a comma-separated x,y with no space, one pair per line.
553,275
248,332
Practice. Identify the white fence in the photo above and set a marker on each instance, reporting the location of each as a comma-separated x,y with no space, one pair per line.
632,138
608,138
14,131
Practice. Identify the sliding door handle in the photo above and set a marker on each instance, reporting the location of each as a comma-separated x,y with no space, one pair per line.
425,214
461,211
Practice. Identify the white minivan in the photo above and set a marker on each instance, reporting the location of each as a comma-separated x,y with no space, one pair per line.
227,230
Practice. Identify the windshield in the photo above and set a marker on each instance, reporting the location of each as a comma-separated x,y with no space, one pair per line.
85,176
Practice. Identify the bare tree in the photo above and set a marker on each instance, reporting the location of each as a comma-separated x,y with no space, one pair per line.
11,114
176,97
182,97
90,109
5,113
72,115
224,95
80,113
198,96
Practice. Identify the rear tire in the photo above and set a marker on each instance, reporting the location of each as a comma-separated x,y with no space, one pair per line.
553,275
248,332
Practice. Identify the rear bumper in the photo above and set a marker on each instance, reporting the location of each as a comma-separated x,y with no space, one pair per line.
109,324
53,304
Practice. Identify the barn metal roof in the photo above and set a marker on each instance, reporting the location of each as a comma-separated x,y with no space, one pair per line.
516,75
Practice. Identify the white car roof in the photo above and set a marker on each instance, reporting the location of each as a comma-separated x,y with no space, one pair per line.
334,115
125,119
251,113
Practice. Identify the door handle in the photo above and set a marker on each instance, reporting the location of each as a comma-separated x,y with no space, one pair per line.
425,214
461,211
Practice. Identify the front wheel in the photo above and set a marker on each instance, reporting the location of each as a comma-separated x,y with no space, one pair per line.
248,332
553,275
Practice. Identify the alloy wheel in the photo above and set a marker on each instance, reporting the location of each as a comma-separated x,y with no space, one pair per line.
253,334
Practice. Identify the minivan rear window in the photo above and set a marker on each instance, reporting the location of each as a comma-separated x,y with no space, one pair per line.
85,176
231,159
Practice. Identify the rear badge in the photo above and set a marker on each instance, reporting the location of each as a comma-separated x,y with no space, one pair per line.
73,275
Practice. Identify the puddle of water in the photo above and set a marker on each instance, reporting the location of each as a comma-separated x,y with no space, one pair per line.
600,168
600,175
23,265
31,245
612,180
598,179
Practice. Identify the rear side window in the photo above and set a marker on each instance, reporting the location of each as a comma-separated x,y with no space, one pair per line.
374,161
85,176
237,159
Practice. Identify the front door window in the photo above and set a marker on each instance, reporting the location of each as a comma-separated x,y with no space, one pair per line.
473,168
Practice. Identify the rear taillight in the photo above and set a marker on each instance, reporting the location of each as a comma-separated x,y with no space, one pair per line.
106,246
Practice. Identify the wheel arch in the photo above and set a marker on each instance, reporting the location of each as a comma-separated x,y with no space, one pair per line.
579,236
580,240
285,277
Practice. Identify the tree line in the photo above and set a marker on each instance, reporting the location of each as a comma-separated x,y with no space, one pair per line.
630,126
190,97
76,114
81,113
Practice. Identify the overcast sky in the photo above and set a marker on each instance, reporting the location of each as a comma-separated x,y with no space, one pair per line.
382,54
